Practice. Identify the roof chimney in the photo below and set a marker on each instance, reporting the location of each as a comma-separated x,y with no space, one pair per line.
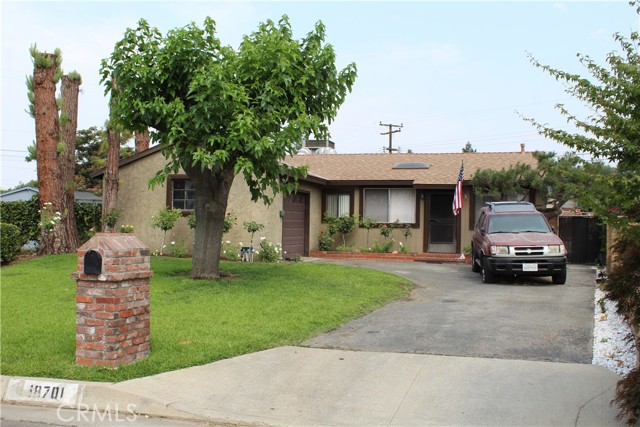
522,148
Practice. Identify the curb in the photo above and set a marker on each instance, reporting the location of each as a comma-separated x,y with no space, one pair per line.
85,396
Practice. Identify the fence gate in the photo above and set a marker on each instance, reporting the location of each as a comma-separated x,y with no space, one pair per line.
583,238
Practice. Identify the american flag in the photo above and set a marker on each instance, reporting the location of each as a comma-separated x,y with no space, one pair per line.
458,200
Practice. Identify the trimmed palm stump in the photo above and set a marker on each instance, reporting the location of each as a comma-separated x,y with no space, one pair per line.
112,300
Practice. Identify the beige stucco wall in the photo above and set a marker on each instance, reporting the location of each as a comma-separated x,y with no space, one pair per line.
139,203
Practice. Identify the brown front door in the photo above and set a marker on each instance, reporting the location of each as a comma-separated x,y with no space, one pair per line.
295,225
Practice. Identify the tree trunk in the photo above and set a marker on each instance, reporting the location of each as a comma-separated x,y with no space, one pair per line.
143,140
68,129
110,181
49,183
212,194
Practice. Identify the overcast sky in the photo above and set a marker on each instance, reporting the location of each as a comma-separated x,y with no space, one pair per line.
450,72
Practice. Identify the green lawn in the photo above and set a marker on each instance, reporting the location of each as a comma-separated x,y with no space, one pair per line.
192,322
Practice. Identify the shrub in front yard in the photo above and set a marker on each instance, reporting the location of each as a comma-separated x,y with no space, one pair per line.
269,252
11,241
325,242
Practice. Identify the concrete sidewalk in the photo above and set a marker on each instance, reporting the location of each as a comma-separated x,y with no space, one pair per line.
298,386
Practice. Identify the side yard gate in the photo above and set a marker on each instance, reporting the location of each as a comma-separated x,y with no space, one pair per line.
583,237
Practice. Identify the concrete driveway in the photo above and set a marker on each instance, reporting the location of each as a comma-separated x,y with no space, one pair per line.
451,312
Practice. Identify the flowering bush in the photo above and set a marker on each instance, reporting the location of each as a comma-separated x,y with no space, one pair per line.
385,231
230,250
126,228
325,242
269,252
177,250
48,218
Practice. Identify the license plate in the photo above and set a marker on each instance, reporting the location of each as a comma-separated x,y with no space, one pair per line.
530,267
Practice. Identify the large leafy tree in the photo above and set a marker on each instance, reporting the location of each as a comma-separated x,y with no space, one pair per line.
218,112
612,133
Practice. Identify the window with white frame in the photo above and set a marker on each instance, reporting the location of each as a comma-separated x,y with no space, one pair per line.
338,204
387,205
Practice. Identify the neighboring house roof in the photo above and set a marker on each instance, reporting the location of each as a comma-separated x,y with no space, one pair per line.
442,168
378,169
26,193
87,197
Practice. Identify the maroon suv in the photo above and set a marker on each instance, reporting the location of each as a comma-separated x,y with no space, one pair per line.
514,239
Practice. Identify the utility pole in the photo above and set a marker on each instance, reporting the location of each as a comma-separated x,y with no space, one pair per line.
390,149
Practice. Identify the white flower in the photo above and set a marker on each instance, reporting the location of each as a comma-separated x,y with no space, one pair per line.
228,242
263,238
173,243
240,243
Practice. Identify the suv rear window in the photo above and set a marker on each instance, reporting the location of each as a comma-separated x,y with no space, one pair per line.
517,223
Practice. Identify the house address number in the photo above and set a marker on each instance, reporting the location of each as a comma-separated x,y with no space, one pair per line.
42,391
38,391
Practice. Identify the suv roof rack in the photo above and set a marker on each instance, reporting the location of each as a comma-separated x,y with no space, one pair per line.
511,206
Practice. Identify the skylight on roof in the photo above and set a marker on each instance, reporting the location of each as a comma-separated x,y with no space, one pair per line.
412,165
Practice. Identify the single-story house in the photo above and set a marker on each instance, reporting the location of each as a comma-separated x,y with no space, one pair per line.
414,189
19,194
26,193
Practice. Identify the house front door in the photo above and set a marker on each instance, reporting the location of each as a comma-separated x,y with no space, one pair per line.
295,225
441,223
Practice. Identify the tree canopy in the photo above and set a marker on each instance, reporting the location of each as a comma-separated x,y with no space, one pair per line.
556,180
611,133
218,112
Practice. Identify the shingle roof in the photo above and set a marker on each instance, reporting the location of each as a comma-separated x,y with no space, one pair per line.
368,168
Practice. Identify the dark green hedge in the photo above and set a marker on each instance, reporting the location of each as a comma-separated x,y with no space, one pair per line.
11,240
24,215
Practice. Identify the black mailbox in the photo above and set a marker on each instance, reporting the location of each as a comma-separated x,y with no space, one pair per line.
92,262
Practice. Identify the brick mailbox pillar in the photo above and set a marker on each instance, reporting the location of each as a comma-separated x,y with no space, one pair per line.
112,300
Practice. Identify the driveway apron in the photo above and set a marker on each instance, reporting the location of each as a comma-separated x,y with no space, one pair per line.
451,312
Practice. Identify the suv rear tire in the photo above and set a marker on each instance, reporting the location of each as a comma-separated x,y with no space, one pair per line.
487,274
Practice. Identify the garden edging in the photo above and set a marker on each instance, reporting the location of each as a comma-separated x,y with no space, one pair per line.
397,257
